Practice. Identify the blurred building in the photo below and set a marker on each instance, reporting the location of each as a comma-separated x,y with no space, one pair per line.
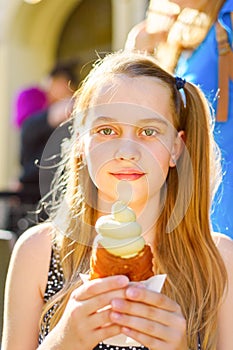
36,33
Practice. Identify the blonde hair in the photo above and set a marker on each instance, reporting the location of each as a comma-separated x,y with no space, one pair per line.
196,273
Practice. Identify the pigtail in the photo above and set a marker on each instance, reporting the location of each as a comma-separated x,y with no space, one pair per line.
184,246
203,150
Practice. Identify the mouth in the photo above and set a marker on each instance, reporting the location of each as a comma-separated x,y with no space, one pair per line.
128,175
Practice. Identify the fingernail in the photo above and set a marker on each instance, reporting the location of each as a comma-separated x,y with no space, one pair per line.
122,280
132,292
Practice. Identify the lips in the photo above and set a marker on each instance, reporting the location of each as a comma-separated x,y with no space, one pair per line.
128,174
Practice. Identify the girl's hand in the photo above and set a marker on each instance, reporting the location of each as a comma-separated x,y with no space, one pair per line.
82,325
151,318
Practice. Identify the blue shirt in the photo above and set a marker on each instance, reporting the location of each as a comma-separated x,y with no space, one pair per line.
201,68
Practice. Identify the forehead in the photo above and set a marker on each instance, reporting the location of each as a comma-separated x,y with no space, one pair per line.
148,95
124,113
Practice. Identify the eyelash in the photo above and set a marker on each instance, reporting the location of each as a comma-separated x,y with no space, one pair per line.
112,132
154,132
102,131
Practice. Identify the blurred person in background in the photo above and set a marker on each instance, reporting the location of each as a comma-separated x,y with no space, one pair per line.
38,113
27,102
37,127
194,40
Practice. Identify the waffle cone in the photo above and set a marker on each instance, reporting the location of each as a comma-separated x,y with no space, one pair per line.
137,268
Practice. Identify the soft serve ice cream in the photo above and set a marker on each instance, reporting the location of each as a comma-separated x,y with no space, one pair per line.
119,233
119,247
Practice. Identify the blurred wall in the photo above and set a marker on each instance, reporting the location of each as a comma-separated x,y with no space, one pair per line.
32,37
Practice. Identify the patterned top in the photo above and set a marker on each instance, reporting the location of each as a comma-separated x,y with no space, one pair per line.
54,285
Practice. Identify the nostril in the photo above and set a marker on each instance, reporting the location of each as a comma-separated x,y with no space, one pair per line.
128,152
127,157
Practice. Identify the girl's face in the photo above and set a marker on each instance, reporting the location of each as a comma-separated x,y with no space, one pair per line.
129,139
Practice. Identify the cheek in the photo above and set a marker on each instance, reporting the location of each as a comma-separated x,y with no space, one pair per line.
97,157
158,159
163,162
157,175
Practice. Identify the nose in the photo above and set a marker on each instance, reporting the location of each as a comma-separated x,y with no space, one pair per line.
128,151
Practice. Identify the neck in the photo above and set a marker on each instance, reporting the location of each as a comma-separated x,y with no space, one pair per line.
147,217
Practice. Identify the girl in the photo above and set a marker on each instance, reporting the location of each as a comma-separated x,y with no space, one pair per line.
143,136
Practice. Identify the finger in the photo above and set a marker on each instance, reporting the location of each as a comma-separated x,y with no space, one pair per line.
152,298
141,325
150,329
144,339
93,337
171,339
149,312
99,286
106,332
98,302
100,319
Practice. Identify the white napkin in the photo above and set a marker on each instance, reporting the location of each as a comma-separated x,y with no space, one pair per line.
154,283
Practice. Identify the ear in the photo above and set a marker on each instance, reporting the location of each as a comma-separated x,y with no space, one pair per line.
177,148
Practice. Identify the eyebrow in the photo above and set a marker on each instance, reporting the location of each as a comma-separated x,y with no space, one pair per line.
155,120
104,119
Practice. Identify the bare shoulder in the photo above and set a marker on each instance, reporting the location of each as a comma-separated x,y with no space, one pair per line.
36,239
25,286
31,254
225,247
225,316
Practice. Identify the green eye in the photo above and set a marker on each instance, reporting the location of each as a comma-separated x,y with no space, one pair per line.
106,131
149,132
